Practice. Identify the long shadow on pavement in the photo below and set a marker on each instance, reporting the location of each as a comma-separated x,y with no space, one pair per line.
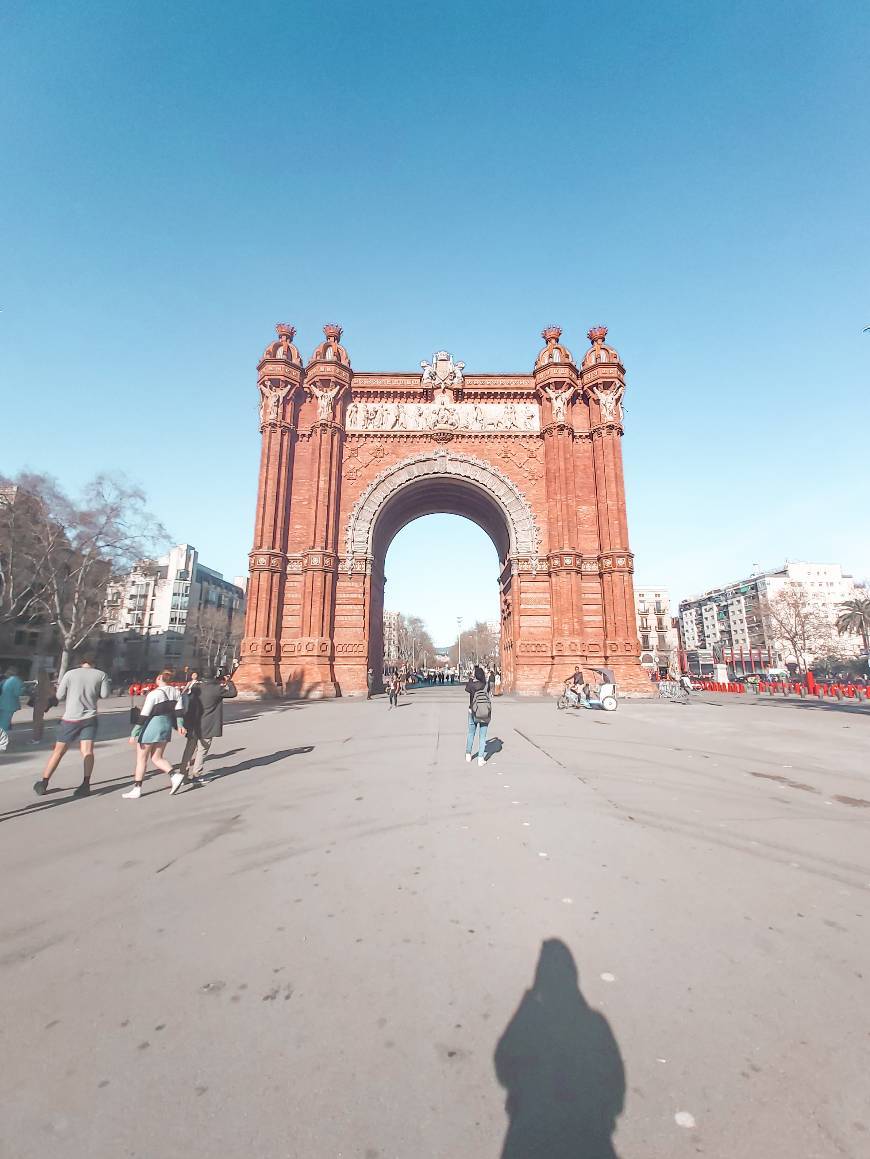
856,708
560,1064
258,762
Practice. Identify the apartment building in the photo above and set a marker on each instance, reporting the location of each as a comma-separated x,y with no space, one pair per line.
655,627
731,622
174,612
391,637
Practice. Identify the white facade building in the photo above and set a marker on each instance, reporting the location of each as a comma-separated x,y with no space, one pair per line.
732,621
655,631
174,612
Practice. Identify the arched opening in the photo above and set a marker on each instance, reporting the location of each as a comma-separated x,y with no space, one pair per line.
441,568
449,495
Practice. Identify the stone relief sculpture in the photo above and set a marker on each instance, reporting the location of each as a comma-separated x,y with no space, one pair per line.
325,402
442,414
609,402
271,398
442,371
559,400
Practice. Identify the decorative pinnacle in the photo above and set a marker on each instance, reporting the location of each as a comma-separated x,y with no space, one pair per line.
285,330
551,334
597,334
332,331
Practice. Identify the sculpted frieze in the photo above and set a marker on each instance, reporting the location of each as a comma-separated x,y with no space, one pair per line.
443,414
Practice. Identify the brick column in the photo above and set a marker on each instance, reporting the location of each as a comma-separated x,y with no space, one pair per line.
556,380
603,378
279,374
327,382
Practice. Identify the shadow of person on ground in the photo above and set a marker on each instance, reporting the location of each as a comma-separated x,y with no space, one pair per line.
493,745
257,762
561,1068
64,796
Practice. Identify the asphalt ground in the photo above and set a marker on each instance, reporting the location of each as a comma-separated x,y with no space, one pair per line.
640,934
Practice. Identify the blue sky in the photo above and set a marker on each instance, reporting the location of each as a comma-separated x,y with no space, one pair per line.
176,177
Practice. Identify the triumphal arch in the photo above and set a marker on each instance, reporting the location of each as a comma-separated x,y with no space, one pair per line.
349,458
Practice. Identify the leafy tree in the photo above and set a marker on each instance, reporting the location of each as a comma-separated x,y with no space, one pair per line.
854,620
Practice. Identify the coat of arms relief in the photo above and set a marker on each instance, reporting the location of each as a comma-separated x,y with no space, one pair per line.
443,412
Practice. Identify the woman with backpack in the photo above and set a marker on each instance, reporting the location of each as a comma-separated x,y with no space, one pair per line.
479,714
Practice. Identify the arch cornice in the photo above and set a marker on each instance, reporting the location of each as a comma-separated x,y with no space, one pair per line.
523,531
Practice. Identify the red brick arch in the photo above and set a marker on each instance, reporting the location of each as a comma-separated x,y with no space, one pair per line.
348,459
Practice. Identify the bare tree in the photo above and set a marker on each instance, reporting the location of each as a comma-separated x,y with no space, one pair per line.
218,636
77,547
797,624
20,558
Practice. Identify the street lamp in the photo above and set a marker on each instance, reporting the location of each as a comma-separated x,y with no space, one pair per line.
459,645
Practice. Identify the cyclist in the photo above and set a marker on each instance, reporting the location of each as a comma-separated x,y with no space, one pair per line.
576,690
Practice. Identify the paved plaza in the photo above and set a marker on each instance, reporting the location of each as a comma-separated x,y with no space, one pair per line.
640,934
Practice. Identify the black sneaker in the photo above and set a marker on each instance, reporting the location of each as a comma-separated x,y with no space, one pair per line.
83,790
40,787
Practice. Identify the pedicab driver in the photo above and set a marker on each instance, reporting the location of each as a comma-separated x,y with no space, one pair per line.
575,689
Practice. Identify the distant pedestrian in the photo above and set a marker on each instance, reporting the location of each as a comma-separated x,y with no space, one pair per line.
479,714
163,709
370,683
81,689
41,698
10,701
393,691
203,722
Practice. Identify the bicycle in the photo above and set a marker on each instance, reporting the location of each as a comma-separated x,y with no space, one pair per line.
674,691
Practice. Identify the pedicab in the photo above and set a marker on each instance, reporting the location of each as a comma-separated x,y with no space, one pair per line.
603,697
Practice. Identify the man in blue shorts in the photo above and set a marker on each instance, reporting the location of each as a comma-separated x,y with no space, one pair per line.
81,688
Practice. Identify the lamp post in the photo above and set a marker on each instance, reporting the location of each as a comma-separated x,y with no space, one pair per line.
459,645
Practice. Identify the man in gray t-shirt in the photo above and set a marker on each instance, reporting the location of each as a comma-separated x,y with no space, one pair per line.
80,689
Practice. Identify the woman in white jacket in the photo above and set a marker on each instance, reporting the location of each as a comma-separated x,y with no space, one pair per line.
163,708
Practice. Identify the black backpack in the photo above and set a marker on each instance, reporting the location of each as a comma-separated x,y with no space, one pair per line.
481,706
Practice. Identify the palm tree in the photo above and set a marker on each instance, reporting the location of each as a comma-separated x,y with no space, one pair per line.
854,618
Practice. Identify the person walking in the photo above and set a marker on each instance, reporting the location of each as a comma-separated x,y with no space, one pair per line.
10,701
479,714
163,708
81,689
204,722
393,691
370,683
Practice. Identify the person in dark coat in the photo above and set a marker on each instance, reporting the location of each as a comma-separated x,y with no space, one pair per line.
204,720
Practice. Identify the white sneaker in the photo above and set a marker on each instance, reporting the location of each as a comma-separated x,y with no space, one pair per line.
134,794
468,757
175,782
481,761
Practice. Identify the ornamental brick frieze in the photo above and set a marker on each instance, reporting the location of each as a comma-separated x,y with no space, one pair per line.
261,646
602,429
266,560
571,647
565,561
315,646
528,565
534,648
616,561
320,561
